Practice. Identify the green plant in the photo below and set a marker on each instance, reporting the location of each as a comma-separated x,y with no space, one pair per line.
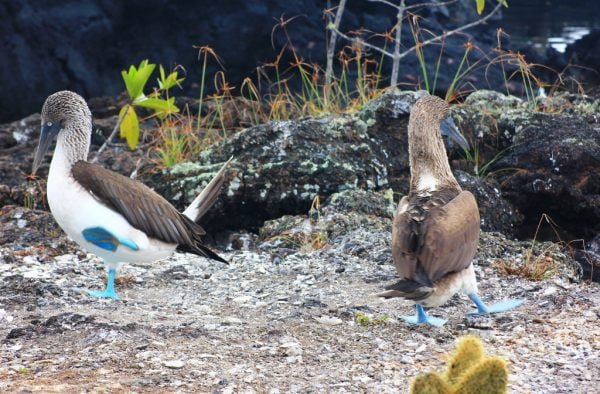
464,68
135,79
29,200
481,167
469,371
364,319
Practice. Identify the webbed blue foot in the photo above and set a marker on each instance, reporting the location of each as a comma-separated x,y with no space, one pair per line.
109,292
422,318
502,306
103,294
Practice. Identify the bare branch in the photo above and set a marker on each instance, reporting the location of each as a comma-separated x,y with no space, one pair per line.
397,56
397,43
452,32
386,3
410,7
332,40
362,42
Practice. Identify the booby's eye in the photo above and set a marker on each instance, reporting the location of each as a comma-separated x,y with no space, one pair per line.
49,124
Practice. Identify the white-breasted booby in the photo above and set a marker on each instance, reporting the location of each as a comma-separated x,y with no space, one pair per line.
112,216
435,231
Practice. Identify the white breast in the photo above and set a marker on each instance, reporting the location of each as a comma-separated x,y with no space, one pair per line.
427,181
74,209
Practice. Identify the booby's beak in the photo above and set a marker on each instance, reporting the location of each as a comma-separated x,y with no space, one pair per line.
449,129
49,131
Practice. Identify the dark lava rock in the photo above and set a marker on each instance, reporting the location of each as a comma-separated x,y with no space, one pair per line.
352,222
369,203
543,162
53,325
38,224
496,213
589,259
280,167
585,54
556,162
18,289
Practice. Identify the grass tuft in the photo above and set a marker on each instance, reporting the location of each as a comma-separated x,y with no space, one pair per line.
540,266
300,88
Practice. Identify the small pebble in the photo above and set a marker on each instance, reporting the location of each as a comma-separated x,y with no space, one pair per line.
174,364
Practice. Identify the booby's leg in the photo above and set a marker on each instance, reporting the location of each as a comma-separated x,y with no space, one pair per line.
109,292
422,318
502,306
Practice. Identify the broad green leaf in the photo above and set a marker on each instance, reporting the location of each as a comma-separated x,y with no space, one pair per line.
157,104
480,6
160,106
136,78
130,127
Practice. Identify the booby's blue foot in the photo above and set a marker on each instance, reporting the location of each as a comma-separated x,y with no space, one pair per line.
109,292
422,318
502,306
103,294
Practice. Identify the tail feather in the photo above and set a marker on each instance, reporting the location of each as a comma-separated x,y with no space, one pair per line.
206,199
206,252
408,289
195,245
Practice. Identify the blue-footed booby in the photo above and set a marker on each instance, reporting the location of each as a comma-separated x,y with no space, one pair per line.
436,226
112,216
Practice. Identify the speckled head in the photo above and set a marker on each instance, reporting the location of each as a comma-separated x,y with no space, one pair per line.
65,114
435,107
438,112
63,106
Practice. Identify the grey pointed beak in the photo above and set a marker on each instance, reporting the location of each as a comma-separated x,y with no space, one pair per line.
49,131
449,129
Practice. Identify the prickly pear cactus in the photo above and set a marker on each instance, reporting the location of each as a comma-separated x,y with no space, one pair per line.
430,383
469,351
469,371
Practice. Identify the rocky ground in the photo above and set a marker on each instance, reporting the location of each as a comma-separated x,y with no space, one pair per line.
281,317
296,309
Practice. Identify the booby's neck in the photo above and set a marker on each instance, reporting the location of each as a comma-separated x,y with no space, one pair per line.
72,145
429,167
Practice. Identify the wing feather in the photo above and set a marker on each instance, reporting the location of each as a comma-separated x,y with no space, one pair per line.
142,207
438,235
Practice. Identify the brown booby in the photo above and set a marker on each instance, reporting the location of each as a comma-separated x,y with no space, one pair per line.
114,217
436,226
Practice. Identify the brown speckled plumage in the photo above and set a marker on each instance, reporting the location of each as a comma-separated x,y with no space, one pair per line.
436,230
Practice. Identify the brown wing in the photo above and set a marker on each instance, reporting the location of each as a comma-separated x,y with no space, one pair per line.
404,236
437,236
142,207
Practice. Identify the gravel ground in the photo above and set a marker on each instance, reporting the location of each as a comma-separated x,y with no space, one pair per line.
277,319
